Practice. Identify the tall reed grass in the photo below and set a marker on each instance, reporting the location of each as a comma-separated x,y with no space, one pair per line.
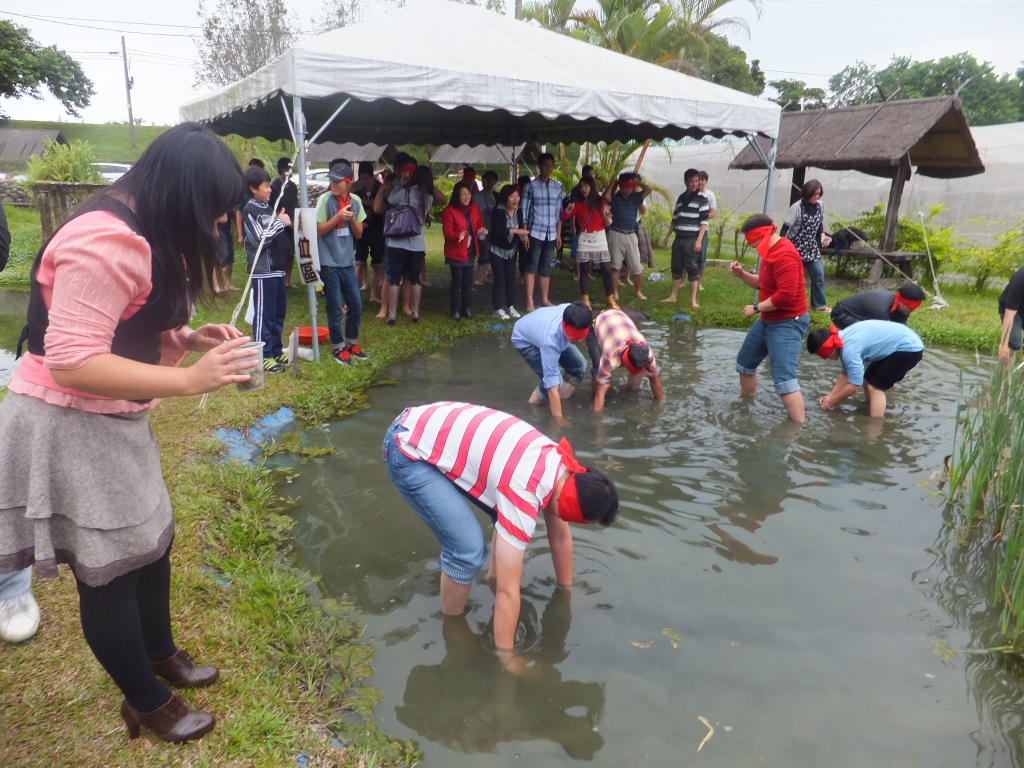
986,478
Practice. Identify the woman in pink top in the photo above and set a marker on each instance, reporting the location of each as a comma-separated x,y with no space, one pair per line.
80,480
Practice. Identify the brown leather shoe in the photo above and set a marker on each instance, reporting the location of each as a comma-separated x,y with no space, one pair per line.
181,672
174,721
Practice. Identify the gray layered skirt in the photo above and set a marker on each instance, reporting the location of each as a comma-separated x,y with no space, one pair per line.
79,488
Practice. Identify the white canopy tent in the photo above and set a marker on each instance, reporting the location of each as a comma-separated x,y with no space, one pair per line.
533,85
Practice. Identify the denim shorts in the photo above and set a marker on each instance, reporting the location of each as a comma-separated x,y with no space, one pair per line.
571,361
781,342
437,500
540,256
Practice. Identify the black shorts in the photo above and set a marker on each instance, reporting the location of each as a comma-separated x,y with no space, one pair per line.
883,374
684,259
403,263
371,245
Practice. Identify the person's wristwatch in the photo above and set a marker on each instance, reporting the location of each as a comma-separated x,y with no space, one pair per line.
756,310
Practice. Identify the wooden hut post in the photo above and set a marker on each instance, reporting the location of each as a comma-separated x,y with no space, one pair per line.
799,175
892,215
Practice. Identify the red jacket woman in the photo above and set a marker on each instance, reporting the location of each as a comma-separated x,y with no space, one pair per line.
460,225
463,227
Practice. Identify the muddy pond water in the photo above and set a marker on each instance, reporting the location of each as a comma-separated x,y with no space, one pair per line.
795,587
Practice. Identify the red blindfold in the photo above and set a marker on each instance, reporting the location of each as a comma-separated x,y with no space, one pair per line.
568,500
831,344
574,334
761,239
911,304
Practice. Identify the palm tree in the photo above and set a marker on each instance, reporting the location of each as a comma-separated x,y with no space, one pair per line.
694,21
553,14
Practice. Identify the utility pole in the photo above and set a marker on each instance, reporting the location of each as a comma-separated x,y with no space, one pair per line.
128,91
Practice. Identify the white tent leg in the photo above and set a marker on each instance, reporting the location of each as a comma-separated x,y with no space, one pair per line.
299,131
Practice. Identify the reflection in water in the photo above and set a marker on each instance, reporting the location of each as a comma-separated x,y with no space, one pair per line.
957,581
469,703
13,313
821,654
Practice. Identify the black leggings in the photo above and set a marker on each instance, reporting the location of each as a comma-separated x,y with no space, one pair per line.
462,286
606,275
504,286
127,623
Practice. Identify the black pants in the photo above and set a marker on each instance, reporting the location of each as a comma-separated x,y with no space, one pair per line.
462,286
127,624
503,289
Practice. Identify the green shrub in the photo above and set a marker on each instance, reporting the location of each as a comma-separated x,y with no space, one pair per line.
657,222
64,162
1001,260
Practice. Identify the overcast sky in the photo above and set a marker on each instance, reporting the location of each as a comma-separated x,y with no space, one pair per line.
808,40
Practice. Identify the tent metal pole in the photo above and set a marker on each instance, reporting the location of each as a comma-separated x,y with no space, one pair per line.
299,132
288,120
330,120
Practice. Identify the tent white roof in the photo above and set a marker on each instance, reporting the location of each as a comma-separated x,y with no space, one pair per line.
530,84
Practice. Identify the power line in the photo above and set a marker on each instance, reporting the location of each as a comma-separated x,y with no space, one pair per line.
106,21
105,29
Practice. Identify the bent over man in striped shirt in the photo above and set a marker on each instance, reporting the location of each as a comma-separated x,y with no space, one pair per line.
442,454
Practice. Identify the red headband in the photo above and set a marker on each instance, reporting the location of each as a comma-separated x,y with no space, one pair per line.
575,334
625,359
407,168
831,344
628,184
568,500
760,238
911,304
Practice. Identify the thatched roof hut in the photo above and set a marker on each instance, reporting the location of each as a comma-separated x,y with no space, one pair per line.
873,138
886,139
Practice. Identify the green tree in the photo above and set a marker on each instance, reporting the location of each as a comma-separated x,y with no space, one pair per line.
26,66
988,97
551,14
794,95
238,37
720,62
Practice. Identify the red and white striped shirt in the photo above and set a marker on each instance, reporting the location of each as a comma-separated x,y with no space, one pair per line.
496,458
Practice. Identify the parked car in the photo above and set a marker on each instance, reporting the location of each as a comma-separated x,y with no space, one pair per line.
317,178
112,171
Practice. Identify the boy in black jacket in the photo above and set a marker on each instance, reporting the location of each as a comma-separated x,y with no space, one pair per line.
268,289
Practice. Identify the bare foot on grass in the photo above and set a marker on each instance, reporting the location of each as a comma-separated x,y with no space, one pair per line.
669,300
641,297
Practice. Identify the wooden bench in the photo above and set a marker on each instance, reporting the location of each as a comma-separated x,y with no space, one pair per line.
902,259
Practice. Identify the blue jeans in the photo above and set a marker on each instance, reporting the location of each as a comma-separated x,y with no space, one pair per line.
15,584
438,502
540,256
571,360
340,284
781,343
816,272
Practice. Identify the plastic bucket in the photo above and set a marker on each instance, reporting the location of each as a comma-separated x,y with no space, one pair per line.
306,334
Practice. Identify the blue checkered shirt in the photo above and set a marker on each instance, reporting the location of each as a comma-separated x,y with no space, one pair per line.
542,206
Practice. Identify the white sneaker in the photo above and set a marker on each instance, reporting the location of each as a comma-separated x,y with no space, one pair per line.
513,314
19,618
501,314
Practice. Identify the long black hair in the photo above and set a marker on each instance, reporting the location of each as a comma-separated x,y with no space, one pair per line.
184,181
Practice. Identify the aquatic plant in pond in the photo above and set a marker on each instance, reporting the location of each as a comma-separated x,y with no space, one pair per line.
986,476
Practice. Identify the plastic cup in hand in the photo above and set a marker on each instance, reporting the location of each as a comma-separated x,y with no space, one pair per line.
257,377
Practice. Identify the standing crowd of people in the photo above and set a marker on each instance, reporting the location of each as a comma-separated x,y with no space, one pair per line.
113,291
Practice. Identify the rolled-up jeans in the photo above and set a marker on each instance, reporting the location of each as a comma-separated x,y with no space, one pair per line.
816,272
438,502
571,361
779,341
15,584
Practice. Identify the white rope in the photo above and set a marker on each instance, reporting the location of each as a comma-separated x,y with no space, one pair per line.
248,279
938,302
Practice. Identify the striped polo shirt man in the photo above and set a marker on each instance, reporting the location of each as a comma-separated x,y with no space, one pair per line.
691,211
495,458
